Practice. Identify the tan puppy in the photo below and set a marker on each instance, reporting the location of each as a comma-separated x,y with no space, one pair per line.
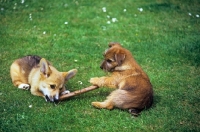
36,74
134,91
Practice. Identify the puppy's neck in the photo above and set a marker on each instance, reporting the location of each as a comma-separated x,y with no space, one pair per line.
123,68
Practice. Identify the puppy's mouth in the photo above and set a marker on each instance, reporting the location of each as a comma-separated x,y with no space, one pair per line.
51,99
111,70
47,98
107,69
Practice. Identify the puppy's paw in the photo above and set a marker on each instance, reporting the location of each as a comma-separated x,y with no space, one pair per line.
105,105
65,92
24,86
95,81
134,112
96,104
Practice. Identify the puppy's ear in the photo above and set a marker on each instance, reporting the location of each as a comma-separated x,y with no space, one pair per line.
44,68
119,57
69,74
111,44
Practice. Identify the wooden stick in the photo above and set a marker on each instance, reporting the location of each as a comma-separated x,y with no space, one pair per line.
77,92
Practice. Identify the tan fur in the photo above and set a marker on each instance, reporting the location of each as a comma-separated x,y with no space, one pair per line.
134,90
38,75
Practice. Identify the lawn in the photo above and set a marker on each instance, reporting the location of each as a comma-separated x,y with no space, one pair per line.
163,35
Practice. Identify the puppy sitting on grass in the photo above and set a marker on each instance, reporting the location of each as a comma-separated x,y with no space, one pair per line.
134,90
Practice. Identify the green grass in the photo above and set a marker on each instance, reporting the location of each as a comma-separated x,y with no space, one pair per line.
163,38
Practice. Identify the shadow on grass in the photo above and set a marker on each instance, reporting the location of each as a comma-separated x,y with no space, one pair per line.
190,50
104,94
88,96
165,6
156,100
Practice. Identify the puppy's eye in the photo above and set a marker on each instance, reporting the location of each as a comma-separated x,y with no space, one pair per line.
109,60
53,86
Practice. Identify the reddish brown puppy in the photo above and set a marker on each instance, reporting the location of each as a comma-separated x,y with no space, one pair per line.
134,90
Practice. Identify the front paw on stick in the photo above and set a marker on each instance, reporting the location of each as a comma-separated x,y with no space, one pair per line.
94,81
65,92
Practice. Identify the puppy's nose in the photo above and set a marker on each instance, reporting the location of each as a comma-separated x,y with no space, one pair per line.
101,67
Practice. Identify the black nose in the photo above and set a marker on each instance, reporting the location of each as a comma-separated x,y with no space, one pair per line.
101,67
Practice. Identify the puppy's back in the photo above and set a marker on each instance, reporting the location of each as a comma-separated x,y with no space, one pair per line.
21,68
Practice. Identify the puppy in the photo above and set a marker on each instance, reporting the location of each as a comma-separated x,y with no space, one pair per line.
38,75
134,90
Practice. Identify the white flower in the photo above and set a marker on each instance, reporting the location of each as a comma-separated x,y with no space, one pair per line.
114,19
189,14
2,9
30,106
66,23
108,22
66,5
75,60
22,1
30,16
140,9
197,15
104,9
80,82
124,10
44,32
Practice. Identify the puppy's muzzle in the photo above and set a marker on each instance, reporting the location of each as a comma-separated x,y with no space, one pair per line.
51,99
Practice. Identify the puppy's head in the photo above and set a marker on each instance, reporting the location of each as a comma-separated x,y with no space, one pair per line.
52,82
114,57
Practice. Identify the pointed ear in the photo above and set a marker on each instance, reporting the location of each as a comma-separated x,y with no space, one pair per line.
69,74
119,57
44,68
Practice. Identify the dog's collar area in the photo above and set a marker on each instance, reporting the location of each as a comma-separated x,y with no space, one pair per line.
122,68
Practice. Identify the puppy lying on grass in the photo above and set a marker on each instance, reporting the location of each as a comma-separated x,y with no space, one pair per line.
134,90
36,73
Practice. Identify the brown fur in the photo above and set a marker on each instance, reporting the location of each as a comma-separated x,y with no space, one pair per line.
134,90
38,75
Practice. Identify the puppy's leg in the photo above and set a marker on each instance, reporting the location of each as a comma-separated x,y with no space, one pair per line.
107,104
19,77
104,81
117,98
36,92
